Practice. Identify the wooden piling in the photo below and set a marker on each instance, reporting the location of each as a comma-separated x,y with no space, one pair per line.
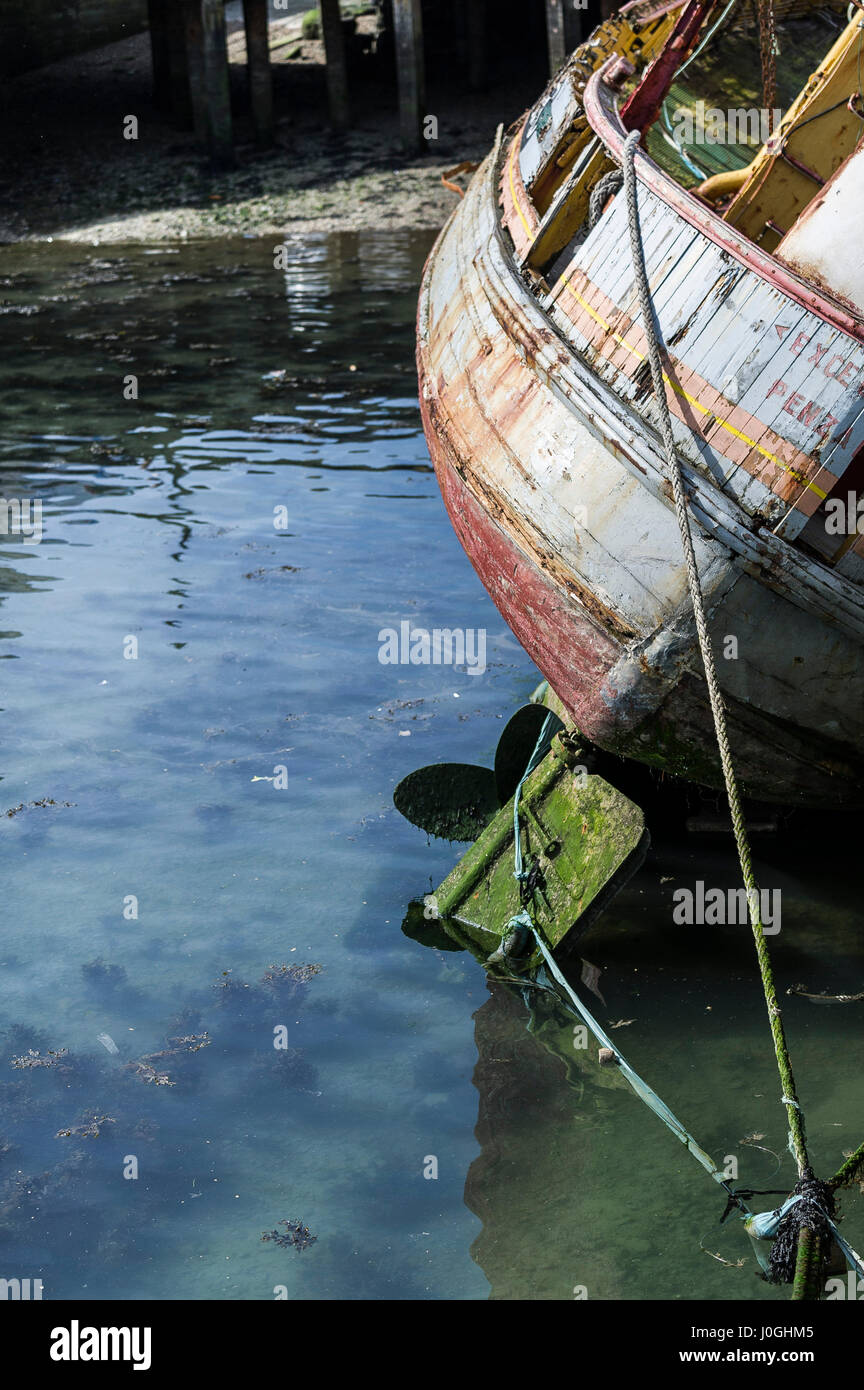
410,67
194,34
555,35
336,60
216,84
160,48
178,75
255,20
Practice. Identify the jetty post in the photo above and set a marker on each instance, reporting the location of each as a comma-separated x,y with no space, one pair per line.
217,87
256,23
193,51
190,70
336,62
555,35
179,104
566,27
411,71
160,48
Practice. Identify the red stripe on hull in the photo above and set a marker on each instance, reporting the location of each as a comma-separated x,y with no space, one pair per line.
572,652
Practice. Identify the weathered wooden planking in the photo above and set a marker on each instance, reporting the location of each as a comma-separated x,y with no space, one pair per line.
546,126
784,388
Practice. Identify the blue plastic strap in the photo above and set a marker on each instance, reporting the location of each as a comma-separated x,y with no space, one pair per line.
642,1089
541,748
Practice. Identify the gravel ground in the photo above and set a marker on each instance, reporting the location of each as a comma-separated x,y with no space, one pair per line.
66,172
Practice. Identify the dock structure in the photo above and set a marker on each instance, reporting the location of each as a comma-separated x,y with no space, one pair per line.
257,26
190,66
190,70
465,39
411,71
567,25
333,34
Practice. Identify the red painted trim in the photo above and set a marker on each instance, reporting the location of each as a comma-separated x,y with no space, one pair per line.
601,109
641,107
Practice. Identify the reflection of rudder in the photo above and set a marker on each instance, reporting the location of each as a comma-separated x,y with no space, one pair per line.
533,1128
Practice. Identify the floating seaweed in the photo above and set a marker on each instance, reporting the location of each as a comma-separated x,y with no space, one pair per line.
298,974
36,805
227,985
101,972
295,1235
191,1042
279,569
149,1074
37,1059
90,1129
291,1068
178,1047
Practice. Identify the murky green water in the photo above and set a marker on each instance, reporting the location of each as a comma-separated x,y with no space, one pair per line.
254,536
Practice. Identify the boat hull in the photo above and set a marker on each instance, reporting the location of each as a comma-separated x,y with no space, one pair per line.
550,493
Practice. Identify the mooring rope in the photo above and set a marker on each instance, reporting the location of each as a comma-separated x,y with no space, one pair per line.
640,1086
789,1098
766,1223
522,923
807,1221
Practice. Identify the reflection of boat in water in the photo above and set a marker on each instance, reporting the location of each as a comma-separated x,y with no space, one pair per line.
521,1093
540,416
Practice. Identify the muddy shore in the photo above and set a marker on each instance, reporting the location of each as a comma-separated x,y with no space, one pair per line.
67,172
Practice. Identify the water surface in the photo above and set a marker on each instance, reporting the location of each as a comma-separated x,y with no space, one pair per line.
253,520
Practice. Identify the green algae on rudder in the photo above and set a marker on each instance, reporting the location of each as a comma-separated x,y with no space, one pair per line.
581,841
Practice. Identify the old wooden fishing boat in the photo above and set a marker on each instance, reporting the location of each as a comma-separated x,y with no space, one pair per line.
541,420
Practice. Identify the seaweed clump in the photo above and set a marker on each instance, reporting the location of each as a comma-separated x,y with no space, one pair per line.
297,974
148,1073
39,805
144,1069
295,1235
100,972
90,1129
36,1059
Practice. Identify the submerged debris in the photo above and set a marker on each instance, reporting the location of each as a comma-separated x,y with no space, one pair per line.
295,1234
753,1141
730,1264
825,998
591,978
